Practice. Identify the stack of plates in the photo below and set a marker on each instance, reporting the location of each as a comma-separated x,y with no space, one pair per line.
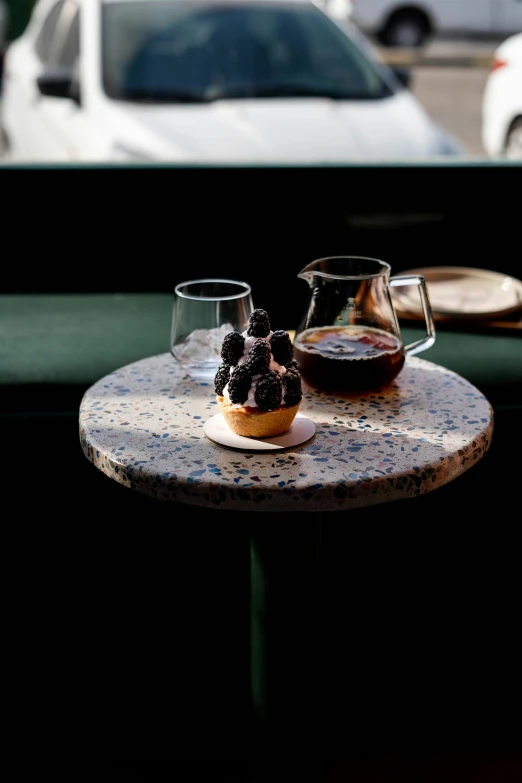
461,293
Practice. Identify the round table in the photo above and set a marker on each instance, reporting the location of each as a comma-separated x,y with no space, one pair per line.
142,425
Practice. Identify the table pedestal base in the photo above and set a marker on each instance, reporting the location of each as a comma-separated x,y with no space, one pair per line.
285,623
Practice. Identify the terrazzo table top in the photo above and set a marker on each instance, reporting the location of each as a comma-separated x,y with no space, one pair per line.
142,426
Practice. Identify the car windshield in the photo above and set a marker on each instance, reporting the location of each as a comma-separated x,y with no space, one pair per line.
191,52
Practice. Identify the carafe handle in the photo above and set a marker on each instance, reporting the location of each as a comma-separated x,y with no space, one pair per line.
427,341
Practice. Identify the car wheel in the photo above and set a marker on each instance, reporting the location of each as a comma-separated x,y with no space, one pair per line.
406,29
514,141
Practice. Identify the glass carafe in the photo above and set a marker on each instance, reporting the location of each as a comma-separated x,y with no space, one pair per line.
349,337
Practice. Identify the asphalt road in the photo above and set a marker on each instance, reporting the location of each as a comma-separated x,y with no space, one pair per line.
453,97
477,53
448,78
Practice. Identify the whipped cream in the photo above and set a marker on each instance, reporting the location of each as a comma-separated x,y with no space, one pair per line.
281,369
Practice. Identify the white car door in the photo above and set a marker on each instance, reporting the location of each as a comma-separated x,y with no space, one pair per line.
509,16
64,117
461,16
29,136
59,117
447,16
78,125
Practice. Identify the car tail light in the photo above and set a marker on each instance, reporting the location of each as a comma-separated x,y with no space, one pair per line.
497,64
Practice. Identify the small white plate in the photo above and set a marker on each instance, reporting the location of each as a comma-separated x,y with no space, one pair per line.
217,429
461,292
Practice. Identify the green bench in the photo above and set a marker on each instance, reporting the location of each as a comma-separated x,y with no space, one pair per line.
54,346
66,342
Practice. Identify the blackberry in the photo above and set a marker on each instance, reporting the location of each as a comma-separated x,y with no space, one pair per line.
239,384
258,359
292,365
221,378
282,348
232,348
258,324
269,391
292,387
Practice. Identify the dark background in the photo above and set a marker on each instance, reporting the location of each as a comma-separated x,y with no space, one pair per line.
148,604
146,229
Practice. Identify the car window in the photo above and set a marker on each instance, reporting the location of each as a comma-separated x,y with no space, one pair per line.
44,41
208,51
70,50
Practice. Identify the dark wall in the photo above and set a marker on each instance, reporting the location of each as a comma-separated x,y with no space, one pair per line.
146,229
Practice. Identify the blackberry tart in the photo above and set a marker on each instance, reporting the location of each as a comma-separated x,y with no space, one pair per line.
258,385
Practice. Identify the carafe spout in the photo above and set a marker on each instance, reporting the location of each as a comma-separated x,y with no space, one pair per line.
308,272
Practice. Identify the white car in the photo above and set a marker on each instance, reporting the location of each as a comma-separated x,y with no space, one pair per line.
410,23
218,81
339,9
502,102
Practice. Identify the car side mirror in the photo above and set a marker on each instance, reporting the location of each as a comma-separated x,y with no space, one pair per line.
58,82
403,75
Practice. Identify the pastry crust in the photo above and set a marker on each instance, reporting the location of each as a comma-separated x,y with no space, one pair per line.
255,423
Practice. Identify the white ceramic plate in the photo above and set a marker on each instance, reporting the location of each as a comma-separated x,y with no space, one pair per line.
217,429
461,292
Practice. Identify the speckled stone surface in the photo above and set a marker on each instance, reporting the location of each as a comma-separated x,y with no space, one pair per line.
142,426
